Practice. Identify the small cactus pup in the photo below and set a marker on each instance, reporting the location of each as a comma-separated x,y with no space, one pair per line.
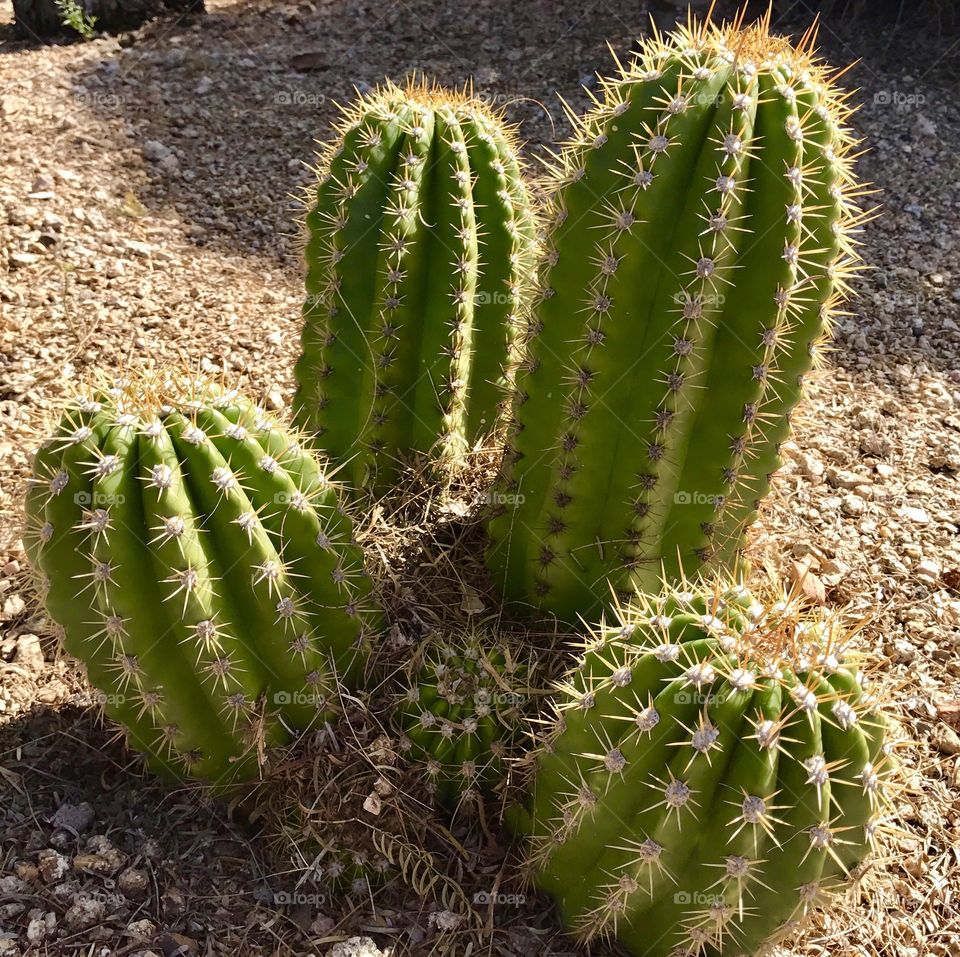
419,243
701,234
718,765
460,716
200,565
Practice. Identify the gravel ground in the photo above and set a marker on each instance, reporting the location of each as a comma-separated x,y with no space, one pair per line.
146,215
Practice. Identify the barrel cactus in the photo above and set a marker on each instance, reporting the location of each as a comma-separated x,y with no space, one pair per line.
419,241
200,564
701,235
460,716
717,767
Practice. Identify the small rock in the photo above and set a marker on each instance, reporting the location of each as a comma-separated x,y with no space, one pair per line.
923,128
883,470
357,947
138,248
85,913
810,465
904,652
29,654
810,584
101,857
833,571
945,739
133,882
27,871
53,865
853,505
204,85
21,260
42,183
74,817
839,478
52,221
142,929
928,570
912,514
155,151
11,885
169,165
37,930
274,400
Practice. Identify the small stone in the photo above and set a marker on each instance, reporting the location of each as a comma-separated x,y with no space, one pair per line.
85,913
169,165
809,465
11,885
274,400
53,865
133,882
29,654
52,221
22,260
903,651
833,571
883,470
42,183
924,128
155,151
915,515
141,929
27,871
358,947
101,857
839,478
945,739
853,505
928,570
37,931
204,85
138,248
810,584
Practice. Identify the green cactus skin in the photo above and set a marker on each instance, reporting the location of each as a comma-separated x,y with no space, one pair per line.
460,717
715,770
420,241
200,565
702,225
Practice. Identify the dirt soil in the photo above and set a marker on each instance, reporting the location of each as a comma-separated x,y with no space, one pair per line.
148,190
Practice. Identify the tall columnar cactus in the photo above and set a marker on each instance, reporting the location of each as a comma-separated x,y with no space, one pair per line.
702,232
200,565
460,716
715,769
419,242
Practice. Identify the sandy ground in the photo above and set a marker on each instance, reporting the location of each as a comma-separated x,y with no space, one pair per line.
147,190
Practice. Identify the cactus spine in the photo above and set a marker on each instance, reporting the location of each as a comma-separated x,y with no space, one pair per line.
419,242
716,767
460,717
200,565
701,236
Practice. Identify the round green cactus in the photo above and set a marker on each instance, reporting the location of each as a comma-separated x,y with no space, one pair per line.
420,240
460,716
717,767
200,564
701,231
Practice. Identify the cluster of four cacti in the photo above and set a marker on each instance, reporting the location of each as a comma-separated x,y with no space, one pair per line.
715,763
